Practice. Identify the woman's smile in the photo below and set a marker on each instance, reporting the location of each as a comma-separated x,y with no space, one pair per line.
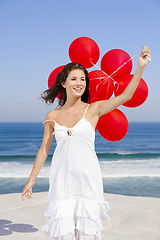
78,89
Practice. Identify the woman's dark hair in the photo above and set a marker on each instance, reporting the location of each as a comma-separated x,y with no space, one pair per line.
49,95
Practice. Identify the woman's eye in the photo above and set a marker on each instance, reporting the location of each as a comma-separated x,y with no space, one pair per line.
81,79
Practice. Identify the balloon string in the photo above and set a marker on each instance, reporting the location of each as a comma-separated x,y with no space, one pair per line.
102,77
101,70
102,81
105,80
109,76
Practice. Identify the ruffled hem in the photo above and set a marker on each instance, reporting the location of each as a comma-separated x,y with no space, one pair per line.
77,235
65,215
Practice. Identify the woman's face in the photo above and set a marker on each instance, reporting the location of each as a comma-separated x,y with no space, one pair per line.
75,83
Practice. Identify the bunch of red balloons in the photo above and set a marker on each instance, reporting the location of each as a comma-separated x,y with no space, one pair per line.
114,76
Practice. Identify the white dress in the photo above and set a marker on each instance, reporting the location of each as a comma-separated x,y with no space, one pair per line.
76,204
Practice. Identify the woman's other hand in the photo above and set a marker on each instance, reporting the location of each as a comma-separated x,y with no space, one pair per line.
27,191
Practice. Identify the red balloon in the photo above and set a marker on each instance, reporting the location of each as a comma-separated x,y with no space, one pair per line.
104,86
52,77
84,50
96,126
139,96
113,126
114,59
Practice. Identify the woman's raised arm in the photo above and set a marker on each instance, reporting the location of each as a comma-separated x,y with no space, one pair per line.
105,106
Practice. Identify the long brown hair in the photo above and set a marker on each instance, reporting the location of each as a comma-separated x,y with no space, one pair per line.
49,95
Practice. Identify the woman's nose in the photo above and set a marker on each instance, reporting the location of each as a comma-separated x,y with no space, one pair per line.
78,82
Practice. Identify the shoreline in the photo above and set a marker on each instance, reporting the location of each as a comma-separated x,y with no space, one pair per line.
127,186
131,217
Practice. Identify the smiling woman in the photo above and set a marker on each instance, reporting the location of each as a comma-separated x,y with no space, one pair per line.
76,206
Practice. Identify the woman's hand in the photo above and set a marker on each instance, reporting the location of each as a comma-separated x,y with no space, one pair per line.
143,60
27,191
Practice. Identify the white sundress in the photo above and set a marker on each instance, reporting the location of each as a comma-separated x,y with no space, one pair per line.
76,204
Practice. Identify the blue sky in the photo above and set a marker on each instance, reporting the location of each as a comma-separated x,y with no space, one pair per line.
36,35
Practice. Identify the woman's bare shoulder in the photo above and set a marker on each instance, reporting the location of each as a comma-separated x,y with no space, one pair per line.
51,115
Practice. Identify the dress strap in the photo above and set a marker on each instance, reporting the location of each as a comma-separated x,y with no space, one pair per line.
48,121
85,110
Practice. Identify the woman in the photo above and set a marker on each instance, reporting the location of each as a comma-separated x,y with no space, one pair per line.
76,205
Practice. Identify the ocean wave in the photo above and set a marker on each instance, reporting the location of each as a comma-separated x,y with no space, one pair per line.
111,169
118,156
101,156
126,175
9,158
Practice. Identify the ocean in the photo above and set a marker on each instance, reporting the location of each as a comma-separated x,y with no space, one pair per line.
129,167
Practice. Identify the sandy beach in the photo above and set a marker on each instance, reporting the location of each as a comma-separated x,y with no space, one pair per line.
132,218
